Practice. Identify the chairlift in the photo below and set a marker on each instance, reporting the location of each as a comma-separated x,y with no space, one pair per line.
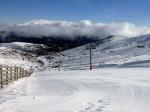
140,46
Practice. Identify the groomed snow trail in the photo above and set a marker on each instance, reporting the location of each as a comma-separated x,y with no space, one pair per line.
102,90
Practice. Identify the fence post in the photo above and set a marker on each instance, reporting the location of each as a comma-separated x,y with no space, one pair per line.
22,72
13,73
1,77
6,74
11,78
19,73
16,73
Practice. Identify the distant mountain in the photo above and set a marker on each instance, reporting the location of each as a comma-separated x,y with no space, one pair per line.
55,43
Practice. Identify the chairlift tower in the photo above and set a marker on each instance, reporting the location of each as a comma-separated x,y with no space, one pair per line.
91,56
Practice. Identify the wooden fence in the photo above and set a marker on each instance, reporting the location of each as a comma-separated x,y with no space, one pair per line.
10,74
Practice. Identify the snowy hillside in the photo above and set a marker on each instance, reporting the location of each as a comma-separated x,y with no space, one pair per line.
133,52
111,52
20,54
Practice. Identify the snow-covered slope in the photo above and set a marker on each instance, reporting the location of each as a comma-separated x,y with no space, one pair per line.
20,54
133,52
23,46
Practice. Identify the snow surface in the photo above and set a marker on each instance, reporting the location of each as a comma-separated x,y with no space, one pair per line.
101,90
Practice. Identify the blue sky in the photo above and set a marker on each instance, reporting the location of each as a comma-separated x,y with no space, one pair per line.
18,11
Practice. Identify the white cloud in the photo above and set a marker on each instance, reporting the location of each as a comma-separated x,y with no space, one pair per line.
68,29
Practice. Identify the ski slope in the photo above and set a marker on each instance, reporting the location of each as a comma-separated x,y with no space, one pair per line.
132,52
101,90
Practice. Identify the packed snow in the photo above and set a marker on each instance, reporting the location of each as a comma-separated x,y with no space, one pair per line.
101,90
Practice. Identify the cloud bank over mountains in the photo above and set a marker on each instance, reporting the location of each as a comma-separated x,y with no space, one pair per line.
40,28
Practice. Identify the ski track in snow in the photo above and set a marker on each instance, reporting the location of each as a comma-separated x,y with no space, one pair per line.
102,90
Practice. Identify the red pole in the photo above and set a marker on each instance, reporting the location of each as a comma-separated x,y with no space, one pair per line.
90,57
